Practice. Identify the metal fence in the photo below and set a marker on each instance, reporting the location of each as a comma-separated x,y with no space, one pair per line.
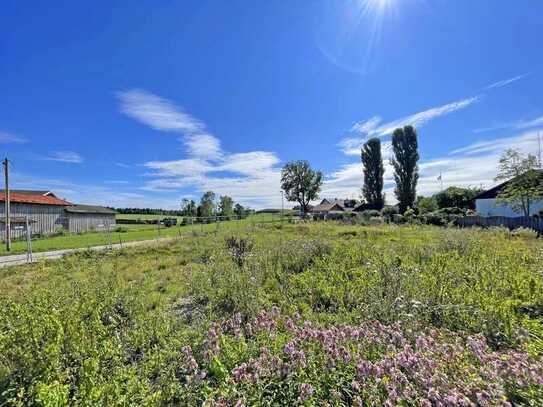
530,222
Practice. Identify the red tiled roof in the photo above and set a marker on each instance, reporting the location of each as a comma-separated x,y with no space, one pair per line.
33,199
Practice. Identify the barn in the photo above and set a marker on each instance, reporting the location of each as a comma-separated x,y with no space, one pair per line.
49,214
84,218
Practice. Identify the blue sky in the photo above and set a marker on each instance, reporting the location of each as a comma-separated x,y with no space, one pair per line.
143,103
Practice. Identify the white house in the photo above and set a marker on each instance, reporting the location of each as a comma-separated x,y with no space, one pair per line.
485,204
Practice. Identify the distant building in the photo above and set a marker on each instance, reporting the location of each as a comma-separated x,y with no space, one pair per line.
485,203
48,214
327,206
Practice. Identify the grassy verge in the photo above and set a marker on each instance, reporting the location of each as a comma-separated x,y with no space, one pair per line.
130,233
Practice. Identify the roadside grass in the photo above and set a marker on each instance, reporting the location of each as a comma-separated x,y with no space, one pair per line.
281,315
130,233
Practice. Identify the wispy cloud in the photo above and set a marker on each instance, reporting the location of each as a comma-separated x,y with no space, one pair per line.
164,115
505,82
204,145
527,141
65,156
8,138
374,127
249,177
156,112
519,125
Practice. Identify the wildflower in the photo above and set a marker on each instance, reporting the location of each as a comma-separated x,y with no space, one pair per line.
355,386
357,402
306,391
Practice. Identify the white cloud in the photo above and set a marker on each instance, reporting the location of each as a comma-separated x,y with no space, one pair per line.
65,157
527,141
519,125
250,178
505,82
204,145
179,168
249,163
368,126
8,138
421,118
156,112
374,127
162,114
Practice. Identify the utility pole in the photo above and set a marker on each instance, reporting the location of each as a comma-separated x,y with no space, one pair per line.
7,205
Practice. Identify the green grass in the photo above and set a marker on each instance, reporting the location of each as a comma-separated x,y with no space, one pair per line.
110,328
130,233
146,216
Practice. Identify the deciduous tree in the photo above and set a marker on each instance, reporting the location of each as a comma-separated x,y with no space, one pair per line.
522,191
188,207
226,205
300,183
207,204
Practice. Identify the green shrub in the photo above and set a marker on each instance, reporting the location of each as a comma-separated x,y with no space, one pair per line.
525,233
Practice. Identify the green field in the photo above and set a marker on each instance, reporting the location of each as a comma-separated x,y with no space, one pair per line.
129,233
296,314
146,216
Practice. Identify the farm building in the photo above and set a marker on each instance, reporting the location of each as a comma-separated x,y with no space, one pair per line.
49,214
485,203
85,218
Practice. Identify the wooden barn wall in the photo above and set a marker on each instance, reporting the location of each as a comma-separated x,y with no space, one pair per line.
48,218
87,222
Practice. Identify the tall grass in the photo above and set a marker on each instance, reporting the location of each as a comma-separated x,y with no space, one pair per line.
183,323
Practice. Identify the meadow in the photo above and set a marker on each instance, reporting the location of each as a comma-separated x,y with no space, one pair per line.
294,314
129,233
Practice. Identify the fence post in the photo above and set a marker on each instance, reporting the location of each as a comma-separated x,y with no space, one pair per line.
28,241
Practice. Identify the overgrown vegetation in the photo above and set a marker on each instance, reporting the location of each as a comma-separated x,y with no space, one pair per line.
321,313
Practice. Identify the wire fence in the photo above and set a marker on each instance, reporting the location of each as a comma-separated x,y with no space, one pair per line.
109,235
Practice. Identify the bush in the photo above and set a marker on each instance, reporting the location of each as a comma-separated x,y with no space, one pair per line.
239,248
121,229
388,212
409,214
370,213
398,219
60,231
525,233
375,221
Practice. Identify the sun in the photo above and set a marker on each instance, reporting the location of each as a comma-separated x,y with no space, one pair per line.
376,6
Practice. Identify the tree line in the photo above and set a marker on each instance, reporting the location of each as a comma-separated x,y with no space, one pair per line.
302,184
210,206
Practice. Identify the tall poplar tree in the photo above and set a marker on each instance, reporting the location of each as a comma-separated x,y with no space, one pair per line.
372,190
406,170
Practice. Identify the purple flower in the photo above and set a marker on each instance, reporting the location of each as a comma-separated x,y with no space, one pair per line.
306,391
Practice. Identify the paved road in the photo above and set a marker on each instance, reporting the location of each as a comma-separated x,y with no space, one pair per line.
6,261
